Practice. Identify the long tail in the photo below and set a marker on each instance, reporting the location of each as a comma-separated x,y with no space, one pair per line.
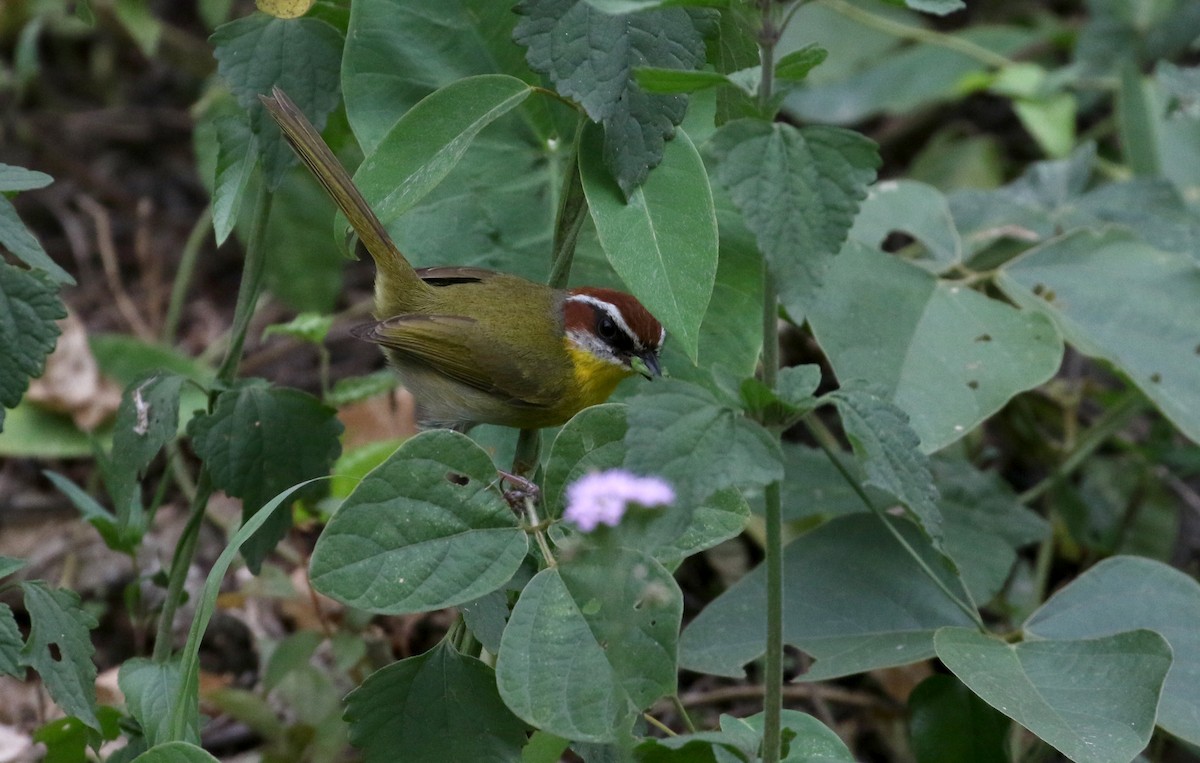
397,282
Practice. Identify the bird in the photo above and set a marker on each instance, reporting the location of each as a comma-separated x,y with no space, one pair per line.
476,346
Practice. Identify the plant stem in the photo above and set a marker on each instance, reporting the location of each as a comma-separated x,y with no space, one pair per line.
683,713
823,439
251,286
185,549
572,211
183,276
918,34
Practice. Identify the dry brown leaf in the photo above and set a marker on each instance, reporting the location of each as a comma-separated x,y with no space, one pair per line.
72,383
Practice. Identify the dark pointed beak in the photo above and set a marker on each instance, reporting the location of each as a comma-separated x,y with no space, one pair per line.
650,366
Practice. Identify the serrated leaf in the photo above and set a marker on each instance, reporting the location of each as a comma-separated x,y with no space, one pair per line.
29,305
257,52
1127,592
151,690
14,178
796,65
147,419
260,440
10,644
577,620
60,648
456,539
945,354
681,432
421,149
237,150
663,241
888,450
887,610
440,705
1092,699
175,752
798,191
16,238
1077,278
590,56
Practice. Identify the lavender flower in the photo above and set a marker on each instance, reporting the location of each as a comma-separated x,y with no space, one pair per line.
601,497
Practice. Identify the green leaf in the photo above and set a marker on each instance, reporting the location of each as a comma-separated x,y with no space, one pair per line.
948,723
95,514
580,619
237,149
681,432
304,266
147,419
9,565
936,7
353,389
1092,699
60,648
10,644
593,440
141,24
175,752
14,178
798,191
887,450
151,690
421,149
486,617
914,208
29,306
440,705
544,748
796,65
1127,592
663,241
396,54
258,441
1076,280
655,80
427,529
590,56
945,354
887,609
1136,122
307,327
736,738
16,238
302,56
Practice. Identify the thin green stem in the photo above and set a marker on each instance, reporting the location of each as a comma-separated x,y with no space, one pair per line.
539,535
683,713
251,286
918,34
823,439
183,275
185,549
656,723
572,211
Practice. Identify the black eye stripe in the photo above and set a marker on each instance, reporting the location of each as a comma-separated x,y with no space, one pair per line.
611,331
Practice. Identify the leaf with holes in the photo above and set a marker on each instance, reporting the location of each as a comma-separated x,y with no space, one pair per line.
60,648
424,530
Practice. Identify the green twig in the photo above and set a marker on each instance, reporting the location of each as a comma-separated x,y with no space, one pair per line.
823,439
183,275
918,34
572,211
683,713
185,549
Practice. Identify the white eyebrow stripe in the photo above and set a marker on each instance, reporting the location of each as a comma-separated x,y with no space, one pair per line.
613,312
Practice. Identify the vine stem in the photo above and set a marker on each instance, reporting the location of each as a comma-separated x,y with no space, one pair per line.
918,34
248,292
183,276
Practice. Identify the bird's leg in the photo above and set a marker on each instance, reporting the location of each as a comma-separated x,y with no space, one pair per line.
524,490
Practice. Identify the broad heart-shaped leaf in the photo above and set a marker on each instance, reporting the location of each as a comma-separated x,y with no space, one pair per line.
887,449
10,644
663,241
798,191
590,56
260,440
1127,592
60,648
681,432
440,705
399,51
175,752
1092,699
13,178
16,238
914,208
853,599
739,740
1108,293
151,690
945,354
592,441
301,56
29,307
426,529
430,139
590,644
948,723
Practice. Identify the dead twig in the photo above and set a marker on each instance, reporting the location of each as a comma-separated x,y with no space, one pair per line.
112,274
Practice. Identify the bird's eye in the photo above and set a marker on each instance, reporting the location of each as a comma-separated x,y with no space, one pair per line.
606,327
